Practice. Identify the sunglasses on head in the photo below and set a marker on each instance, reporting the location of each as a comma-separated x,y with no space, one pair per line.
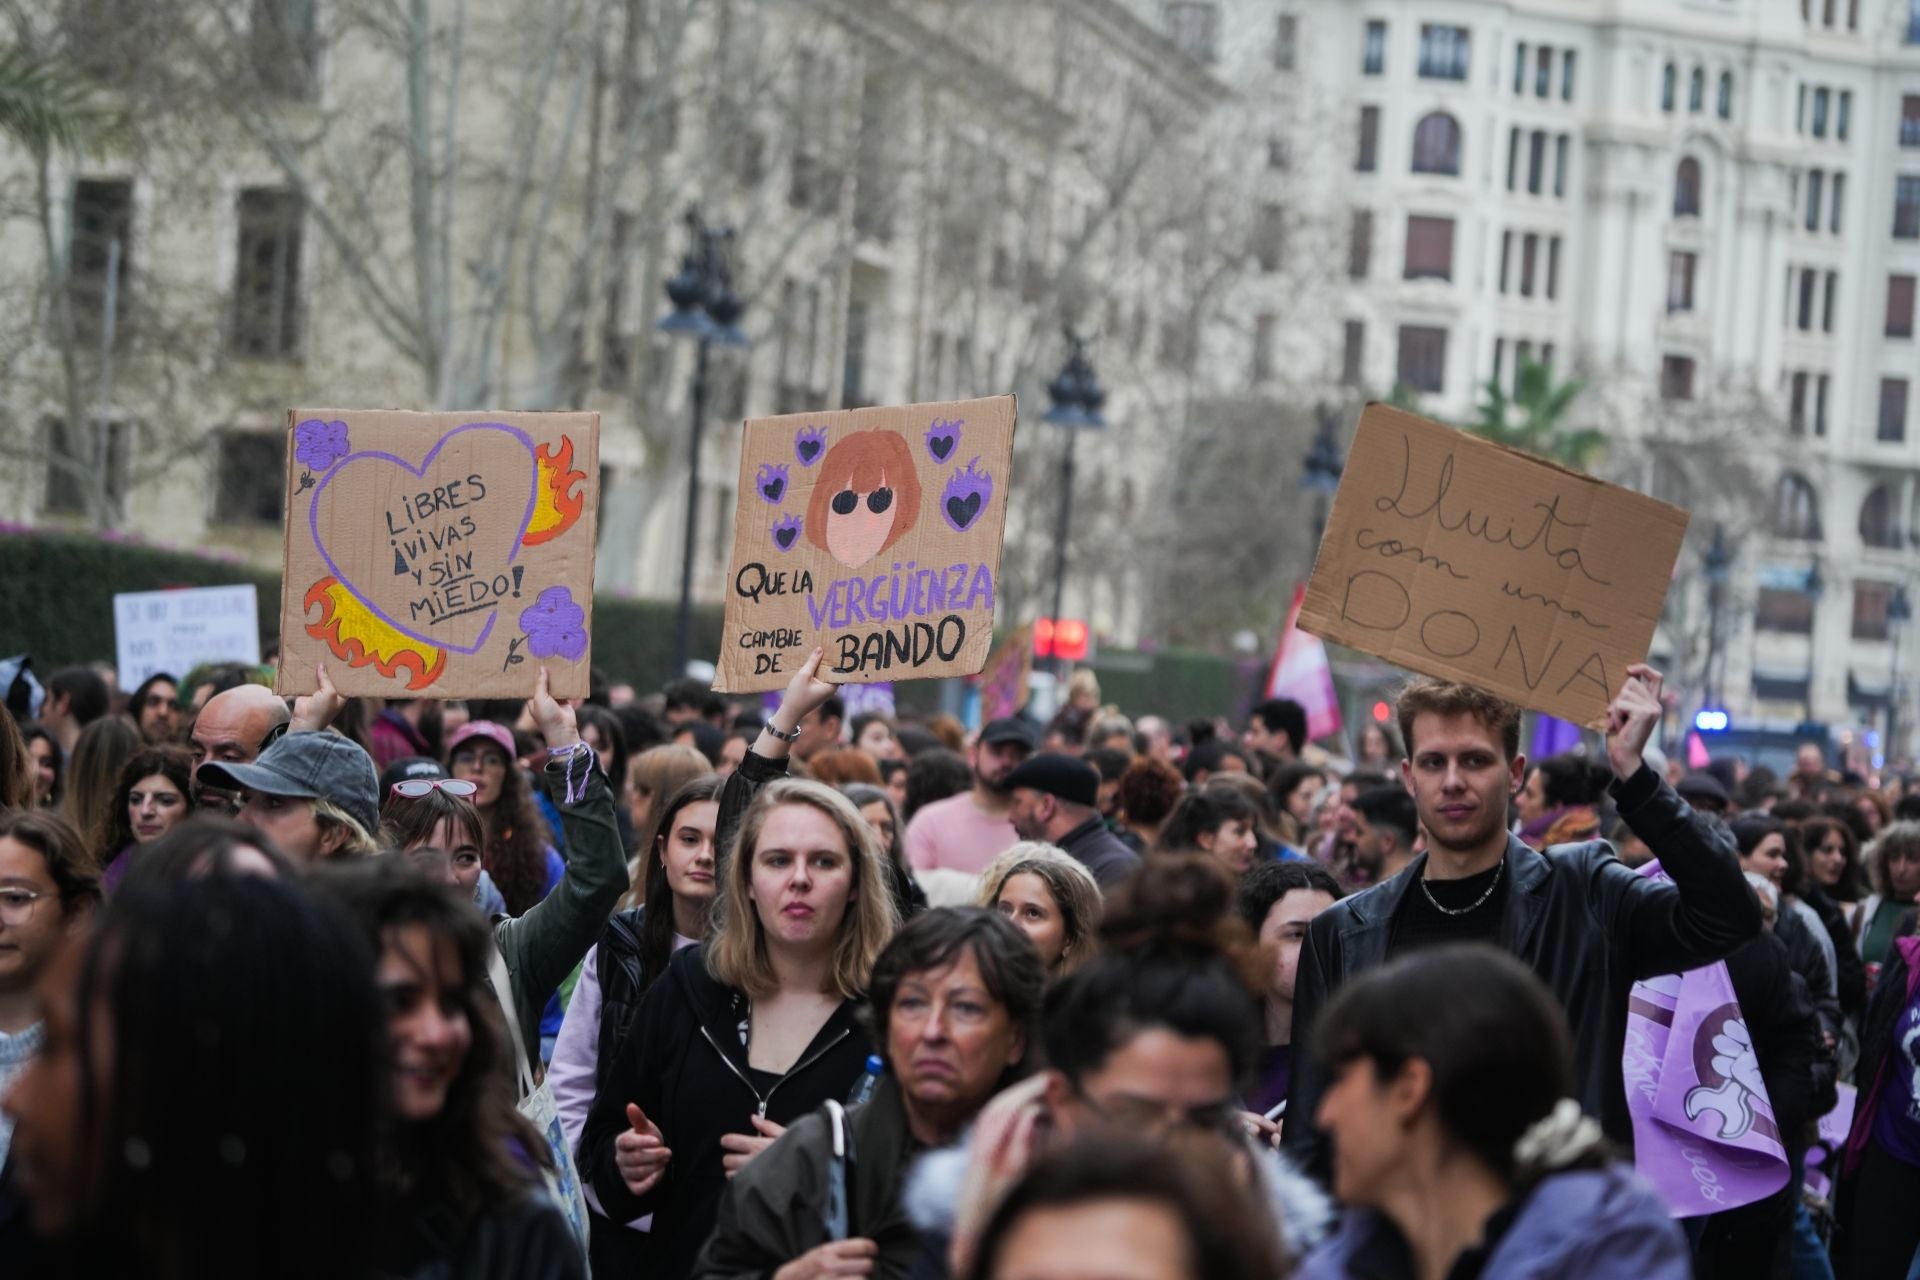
845,501
415,788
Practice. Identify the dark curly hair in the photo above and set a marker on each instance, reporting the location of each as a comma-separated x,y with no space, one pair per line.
171,763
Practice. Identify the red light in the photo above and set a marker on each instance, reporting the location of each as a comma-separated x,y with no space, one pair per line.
1382,712
1068,639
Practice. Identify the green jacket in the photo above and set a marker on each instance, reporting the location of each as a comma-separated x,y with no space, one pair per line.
542,947
775,1209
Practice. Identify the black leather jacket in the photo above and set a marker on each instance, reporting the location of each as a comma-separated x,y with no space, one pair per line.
1581,919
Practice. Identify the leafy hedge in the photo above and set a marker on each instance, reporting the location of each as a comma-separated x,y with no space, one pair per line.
57,589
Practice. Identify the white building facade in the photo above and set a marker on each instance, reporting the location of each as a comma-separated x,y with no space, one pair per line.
1706,210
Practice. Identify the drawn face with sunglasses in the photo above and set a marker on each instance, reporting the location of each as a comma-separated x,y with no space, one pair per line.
866,498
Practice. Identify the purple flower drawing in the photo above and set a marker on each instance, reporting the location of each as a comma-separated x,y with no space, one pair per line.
556,627
808,444
786,532
966,496
943,437
318,444
771,482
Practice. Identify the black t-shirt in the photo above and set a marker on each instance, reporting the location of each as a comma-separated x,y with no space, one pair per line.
1418,923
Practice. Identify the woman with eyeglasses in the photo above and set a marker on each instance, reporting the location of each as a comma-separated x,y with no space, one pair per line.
437,819
518,851
1158,1033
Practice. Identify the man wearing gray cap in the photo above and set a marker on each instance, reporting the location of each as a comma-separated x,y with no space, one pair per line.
315,795
1056,799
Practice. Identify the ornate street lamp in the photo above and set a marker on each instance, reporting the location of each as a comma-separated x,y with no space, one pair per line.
705,308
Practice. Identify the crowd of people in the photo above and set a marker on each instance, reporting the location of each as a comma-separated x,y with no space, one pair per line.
667,986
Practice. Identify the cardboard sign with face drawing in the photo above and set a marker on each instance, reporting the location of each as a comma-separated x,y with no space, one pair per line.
874,533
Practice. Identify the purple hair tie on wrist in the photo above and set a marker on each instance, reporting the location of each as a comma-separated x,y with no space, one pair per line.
573,792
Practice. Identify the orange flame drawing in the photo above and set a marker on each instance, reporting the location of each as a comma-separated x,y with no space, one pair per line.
556,508
352,633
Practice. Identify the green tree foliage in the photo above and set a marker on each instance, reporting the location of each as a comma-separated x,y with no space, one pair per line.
1531,418
46,106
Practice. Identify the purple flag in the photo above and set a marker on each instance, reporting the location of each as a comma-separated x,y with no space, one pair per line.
1703,1129
1552,736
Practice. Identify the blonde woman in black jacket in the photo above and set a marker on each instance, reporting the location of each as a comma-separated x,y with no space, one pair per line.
751,1030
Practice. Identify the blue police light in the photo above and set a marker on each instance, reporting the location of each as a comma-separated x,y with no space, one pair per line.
1711,720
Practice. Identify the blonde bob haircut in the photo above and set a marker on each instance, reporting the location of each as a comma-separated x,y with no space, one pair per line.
736,948
1075,893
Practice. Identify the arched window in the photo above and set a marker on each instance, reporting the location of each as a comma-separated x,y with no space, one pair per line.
1686,189
1726,95
1697,91
1667,83
1436,144
1796,509
1877,527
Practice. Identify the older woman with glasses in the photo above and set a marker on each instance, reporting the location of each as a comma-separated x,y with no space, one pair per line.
955,1000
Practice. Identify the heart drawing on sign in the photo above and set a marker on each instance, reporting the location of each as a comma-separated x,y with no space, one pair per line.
809,443
943,437
966,496
771,481
451,526
786,532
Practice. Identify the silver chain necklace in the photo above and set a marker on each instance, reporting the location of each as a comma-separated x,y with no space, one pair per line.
1499,869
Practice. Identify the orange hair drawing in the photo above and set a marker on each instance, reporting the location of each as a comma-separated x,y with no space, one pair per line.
863,462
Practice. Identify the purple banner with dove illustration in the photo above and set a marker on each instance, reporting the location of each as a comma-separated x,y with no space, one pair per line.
1703,1128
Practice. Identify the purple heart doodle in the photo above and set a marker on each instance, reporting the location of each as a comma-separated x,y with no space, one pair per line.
556,627
966,496
943,437
786,532
376,458
771,482
808,444
318,445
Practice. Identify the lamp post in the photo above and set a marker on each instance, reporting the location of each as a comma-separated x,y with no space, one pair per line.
1899,614
1717,560
705,308
1077,400
1320,471
1815,588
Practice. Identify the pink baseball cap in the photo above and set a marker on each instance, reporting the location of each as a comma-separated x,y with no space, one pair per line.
498,734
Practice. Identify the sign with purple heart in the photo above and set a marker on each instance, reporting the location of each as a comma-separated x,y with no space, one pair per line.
874,533
439,554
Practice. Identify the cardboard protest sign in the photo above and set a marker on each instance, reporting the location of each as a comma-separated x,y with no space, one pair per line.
445,555
1459,558
176,631
872,532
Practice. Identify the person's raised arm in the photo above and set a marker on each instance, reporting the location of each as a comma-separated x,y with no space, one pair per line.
766,759
1708,910
542,946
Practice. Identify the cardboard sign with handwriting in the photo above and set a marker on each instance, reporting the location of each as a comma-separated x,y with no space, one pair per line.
1454,556
439,555
872,532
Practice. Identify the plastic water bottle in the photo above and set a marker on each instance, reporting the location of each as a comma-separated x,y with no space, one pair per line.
869,1080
